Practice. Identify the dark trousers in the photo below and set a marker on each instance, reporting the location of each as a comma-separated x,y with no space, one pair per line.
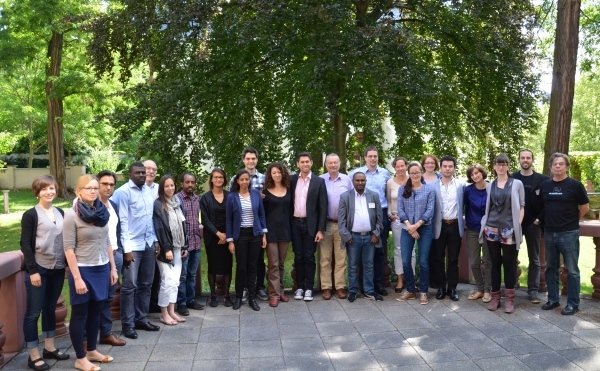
247,250
85,319
261,270
505,256
444,257
106,315
533,237
42,300
380,253
304,247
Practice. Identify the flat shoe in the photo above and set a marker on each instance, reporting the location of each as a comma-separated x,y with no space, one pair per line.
93,368
106,359
55,354
44,366
398,290
475,295
487,297
167,323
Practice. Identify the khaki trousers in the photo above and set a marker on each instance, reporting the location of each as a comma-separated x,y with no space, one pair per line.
331,246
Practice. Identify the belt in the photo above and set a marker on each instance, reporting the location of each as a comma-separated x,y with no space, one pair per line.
362,233
450,221
299,219
332,220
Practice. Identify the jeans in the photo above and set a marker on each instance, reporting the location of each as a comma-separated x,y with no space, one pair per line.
135,292
533,236
446,265
478,256
396,227
42,300
105,316
247,249
359,249
187,282
304,247
407,244
567,244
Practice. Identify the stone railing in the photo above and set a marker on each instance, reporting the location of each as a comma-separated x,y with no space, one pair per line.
12,305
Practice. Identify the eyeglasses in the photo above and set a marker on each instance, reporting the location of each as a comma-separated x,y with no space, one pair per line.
419,173
91,189
107,184
218,177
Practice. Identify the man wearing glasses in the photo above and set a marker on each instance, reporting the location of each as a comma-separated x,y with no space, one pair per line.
107,180
135,203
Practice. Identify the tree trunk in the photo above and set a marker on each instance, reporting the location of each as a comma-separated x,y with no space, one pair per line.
54,102
339,136
563,79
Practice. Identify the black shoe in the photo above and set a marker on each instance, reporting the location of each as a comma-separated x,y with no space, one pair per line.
146,326
182,309
237,303
228,302
253,304
213,301
382,292
56,354
44,366
262,294
352,297
377,296
550,305
453,294
195,305
569,310
440,294
130,333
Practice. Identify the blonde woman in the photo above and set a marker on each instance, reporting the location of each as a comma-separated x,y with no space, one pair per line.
91,269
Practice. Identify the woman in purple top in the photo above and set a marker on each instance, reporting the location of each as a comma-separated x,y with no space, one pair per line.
475,200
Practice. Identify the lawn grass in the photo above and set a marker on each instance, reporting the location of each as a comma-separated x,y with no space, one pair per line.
20,201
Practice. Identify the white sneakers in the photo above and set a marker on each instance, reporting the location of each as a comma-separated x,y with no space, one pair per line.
308,295
299,294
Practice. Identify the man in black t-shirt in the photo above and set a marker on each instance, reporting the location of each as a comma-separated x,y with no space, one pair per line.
531,231
565,201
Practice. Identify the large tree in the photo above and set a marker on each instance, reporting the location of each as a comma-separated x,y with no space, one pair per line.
322,76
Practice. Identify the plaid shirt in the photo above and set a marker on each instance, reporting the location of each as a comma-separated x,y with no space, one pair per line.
191,207
257,181
417,207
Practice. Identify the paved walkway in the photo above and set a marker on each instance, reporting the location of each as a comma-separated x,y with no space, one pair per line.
338,335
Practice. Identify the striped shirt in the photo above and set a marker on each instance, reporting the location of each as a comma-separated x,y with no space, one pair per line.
247,214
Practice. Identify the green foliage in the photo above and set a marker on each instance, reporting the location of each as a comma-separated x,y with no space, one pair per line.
450,76
99,160
585,135
585,166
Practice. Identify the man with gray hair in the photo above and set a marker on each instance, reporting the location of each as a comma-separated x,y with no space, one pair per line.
331,247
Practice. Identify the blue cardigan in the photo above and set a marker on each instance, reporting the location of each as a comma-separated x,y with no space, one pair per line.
233,215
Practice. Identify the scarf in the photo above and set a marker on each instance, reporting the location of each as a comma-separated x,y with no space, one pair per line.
176,219
97,214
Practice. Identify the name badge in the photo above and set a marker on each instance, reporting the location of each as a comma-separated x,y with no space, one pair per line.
371,205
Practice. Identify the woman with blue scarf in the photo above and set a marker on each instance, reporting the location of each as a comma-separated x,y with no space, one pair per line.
91,269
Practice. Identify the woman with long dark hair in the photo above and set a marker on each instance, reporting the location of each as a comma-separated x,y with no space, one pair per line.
171,232
219,258
91,269
416,201
42,247
278,203
393,184
501,229
246,228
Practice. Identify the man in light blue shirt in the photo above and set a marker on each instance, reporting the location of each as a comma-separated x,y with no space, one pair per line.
377,178
138,239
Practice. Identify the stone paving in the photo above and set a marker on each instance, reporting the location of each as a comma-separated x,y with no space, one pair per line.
364,335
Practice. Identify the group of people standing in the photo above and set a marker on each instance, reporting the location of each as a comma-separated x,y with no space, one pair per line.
142,224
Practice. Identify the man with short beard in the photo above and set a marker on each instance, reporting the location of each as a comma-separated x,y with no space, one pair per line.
531,230
190,202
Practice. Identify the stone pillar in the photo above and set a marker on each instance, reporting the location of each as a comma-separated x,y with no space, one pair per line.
6,204
61,314
596,270
12,302
2,341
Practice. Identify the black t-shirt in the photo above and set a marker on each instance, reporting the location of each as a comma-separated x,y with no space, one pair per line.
561,204
533,201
